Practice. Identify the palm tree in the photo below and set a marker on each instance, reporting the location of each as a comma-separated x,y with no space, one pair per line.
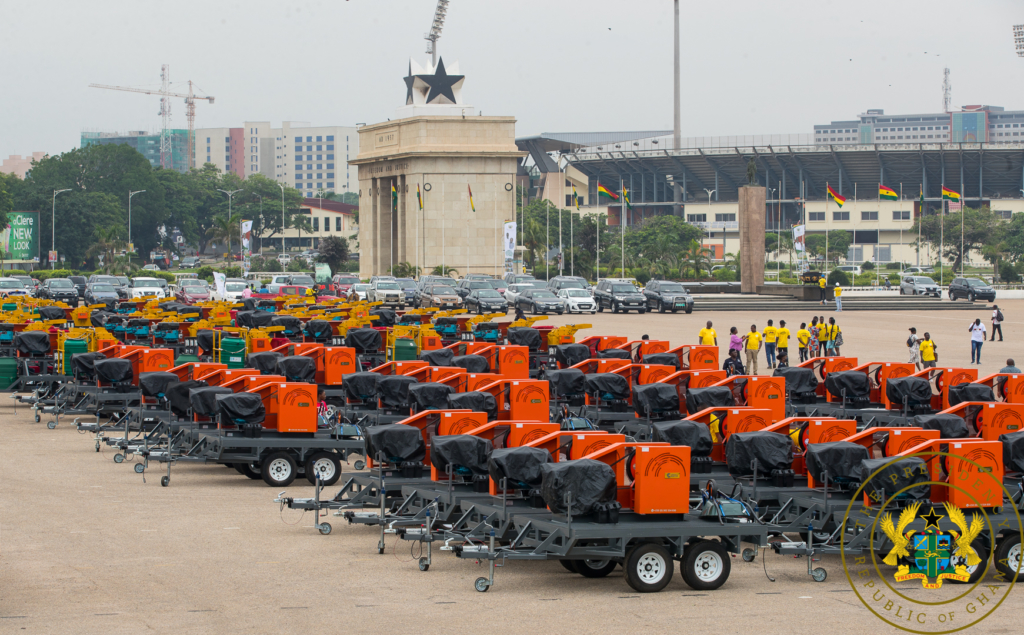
225,229
405,270
107,244
696,258
446,271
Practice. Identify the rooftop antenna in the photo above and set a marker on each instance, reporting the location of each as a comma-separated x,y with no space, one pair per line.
946,90
435,30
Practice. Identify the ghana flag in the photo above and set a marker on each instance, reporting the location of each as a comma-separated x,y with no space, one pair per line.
471,203
835,196
603,191
950,195
886,193
394,196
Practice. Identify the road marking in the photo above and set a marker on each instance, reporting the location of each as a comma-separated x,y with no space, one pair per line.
226,528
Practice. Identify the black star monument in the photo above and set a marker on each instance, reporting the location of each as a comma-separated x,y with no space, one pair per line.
439,88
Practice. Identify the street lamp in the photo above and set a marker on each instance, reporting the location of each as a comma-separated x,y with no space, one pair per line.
230,194
130,195
53,223
771,197
710,192
282,216
260,196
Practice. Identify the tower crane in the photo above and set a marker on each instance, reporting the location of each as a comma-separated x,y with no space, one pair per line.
165,112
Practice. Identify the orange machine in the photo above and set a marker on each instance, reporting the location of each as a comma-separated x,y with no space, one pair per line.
696,357
990,418
944,377
398,368
1007,387
973,472
290,406
878,373
148,360
649,373
501,434
255,381
218,376
807,430
476,381
512,362
194,370
449,375
429,422
520,399
601,342
724,422
584,442
335,362
590,366
639,348
822,366
759,392
659,479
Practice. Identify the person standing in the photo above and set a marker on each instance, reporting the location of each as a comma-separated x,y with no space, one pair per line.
824,291
822,337
803,339
929,356
782,339
733,365
753,347
812,346
977,330
735,341
708,336
914,344
1010,367
835,337
997,323
839,301
770,336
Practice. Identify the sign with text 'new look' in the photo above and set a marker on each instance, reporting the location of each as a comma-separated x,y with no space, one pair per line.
20,240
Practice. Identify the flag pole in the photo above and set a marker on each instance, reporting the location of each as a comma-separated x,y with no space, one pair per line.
443,270
942,233
622,223
827,196
963,256
901,230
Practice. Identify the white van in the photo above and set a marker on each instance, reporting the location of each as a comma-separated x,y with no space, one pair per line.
854,269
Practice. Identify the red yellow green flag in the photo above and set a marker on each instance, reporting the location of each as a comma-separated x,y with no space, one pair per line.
886,193
836,196
471,203
950,195
603,191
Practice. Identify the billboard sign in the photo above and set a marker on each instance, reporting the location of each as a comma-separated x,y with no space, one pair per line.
20,240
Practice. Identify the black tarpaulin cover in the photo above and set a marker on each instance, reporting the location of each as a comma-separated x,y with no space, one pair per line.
430,396
156,384
266,363
520,466
613,353
970,392
588,482
110,304
204,399
385,317
892,478
664,359
771,450
438,357
487,326
319,329
950,426
83,363
254,319
365,339
297,368
47,313
396,442
290,323
854,382
114,370
137,322
472,363
240,407
178,396
249,304
1013,451
165,326
32,342
916,390
698,399
99,317
187,309
360,386
694,434
571,354
655,398
474,400
464,452
394,390
205,340
798,380
524,336
564,382
607,386
841,459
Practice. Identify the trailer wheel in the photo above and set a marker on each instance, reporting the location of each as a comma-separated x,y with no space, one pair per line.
648,568
139,468
595,568
749,555
568,565
481,585
705,565
1007,556
819,574
250,470
165,481
424,565
278,469
324,529
327,465
118,458
359,465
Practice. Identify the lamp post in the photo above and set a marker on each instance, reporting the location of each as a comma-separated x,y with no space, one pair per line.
771,197
259,196
230,193
710,192
53,222
130,195
282,216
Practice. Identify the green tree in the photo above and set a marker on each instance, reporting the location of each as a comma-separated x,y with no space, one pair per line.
943,233
266,217
8,183
405,270
108,243
696,260
1013,237
445,271
334,251
224,229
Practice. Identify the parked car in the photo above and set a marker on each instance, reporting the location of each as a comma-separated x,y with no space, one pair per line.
514,290
619,294
276,282
376,278
141,287
344,282
233,289
361,290
558,283
851,269
192,290
284,259
98,292
498,285
79,282
151,268
972,289
485,301
665,295
440,295
468,285
919,270
476,276
578,301
919,285
540,302
427,281
12,286
387,291
31,284
516,278
123,286
60,290
408,289
189,262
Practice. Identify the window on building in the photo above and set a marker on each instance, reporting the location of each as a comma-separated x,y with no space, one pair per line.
309,176
298,177
840,215
309,194
330,166
337,223
330,137
330,184
330,157
883,253
696,218
309,157
319,138
309,166
1003,213
316,224
725,218
815,216
330,175
319,157
308,139
901,215
319,166
319,185
298,186
855,253
869,215
319,148
319,175
330,146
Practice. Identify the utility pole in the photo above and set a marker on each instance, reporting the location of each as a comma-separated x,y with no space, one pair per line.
282,216
130,195
53,223
677,134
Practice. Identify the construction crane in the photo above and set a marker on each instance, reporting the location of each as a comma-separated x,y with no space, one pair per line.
165,113
435,30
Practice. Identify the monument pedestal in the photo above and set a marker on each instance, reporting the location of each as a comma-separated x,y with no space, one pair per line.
751,224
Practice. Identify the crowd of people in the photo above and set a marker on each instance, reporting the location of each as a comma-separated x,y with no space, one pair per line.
820,338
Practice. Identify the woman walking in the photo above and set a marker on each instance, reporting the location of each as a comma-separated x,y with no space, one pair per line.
913,343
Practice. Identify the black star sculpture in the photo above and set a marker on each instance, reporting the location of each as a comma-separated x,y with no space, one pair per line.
440,87
931,519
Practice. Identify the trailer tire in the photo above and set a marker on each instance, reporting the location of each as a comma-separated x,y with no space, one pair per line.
594,568
1007,557
278,469
482,585
250,470
569,565
705,565
327,464
648,568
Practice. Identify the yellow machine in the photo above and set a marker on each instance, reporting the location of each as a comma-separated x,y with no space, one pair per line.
530,321
487,317
565,334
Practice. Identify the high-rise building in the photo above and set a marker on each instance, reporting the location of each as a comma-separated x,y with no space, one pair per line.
308,158
19,165
223,147
973,124
147,143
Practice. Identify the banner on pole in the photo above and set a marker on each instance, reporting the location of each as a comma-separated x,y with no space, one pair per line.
219,280
798,237
246,234
510,240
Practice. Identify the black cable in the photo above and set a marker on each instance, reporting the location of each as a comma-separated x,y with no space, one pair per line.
764,565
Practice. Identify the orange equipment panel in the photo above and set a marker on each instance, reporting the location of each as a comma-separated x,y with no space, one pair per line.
512,362
990,419
974,471
822,366
476,381
724,422
615,455
398,368
759,392
584,442
1008,387
521,399
601,342
639,348
148,360
290,406
697,357
942,378
194,370
337,361
661,479
650,373
460,422
589,366
804,431
218,376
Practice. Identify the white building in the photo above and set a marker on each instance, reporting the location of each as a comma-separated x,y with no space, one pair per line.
308,158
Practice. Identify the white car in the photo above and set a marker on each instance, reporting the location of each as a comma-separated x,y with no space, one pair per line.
361,289
578,301
284,259
514,290
851,269
12,286
232,291
146,286
388,292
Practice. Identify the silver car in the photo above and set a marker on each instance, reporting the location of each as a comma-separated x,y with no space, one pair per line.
388,292
919,285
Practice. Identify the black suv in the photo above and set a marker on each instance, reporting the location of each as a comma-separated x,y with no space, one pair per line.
485,301
665,295
468,285
59,289
972,289
79,282
618,296
540,302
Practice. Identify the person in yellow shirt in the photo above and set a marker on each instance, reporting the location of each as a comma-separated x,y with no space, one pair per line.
803,337
752,344
834,340
708,336
839,301
928,354
782,339
770,336
822,337
821,285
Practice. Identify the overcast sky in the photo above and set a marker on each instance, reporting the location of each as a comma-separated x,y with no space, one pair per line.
749,67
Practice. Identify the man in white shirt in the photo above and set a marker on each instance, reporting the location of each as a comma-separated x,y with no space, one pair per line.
997,323
977,330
